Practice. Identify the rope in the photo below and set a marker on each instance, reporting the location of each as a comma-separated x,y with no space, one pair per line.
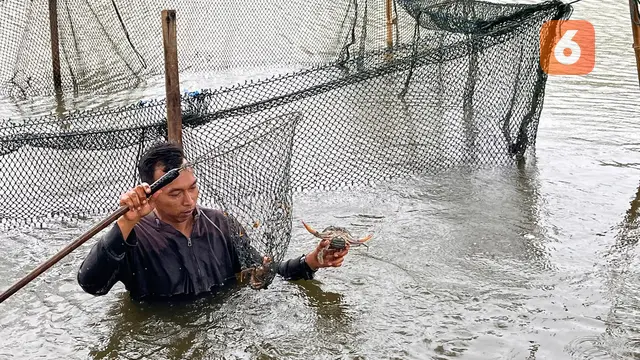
126,33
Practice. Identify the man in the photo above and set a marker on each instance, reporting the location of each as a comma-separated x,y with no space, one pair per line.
167,246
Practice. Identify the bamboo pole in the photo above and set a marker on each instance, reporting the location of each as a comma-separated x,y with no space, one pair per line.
389,13
635,27
55,45
172,80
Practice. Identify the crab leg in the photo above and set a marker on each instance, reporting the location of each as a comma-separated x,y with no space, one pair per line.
311,230
365,239
361,241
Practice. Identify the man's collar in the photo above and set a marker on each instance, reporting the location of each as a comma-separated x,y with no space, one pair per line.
197,212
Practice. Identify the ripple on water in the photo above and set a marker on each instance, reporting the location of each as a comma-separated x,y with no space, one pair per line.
503,264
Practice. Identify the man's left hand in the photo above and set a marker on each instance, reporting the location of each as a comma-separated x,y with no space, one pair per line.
331,257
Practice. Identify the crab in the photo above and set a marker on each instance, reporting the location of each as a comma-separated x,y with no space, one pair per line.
339,239
256,275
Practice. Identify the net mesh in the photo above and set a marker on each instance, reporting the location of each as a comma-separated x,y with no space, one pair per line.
112,45
247,178
461,87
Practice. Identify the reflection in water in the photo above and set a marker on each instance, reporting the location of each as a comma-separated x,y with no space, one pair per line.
512,230
61,110
172,330
622,332
212,326
329,306
534,234
504,264
627,236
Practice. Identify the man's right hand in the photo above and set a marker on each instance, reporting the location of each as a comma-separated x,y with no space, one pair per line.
138,203
139,206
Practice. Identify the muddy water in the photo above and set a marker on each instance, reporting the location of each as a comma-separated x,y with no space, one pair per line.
536,262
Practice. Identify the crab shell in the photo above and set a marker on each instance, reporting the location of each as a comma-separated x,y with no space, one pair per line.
339,236
338,242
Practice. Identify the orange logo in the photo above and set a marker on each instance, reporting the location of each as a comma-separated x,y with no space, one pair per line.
567,47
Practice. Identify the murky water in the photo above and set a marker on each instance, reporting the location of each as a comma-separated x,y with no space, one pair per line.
538,262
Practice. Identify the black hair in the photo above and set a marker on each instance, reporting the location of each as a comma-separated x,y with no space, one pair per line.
166,155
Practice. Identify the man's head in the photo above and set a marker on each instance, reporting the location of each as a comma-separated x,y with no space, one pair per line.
178,199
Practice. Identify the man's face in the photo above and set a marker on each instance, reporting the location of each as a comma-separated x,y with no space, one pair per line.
178,199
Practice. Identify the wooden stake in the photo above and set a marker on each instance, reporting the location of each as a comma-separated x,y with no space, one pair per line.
157,185
635,27
172,81
389,13
55,45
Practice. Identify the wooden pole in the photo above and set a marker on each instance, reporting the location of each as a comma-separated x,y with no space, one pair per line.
62,253
635,27
55,45
389,13
172,81
157,185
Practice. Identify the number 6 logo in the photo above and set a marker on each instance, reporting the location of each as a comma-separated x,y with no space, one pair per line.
567,47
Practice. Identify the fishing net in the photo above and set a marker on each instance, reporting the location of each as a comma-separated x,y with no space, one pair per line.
112,45
461,87
246,177
106,46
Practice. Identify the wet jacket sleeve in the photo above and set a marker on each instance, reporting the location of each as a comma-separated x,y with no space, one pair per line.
245,253
295,269
101,268
292,269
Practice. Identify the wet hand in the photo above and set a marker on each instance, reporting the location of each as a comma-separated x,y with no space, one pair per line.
138,203
330,257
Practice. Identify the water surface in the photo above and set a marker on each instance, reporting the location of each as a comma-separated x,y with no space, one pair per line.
531,262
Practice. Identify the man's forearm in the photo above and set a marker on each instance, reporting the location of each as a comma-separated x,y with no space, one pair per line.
295,269
126,226
99,271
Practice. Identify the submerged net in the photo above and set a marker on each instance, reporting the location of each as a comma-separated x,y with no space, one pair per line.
462,87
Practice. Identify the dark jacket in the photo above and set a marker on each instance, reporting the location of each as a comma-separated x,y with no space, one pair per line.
158,261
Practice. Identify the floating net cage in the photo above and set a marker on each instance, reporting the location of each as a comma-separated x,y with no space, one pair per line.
382,89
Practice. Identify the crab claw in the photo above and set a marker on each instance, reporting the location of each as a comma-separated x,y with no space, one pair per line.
311,230
362,241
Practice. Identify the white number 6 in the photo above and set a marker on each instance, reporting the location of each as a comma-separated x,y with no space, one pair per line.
566,42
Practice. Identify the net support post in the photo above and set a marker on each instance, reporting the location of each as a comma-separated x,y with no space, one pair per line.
635,27
55,45
389,16
172,80
389,22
